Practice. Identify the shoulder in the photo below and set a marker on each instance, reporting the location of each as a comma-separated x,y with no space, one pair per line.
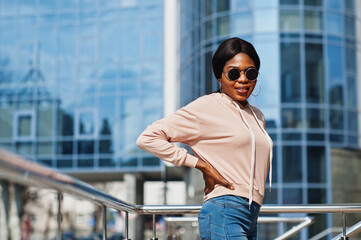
202,102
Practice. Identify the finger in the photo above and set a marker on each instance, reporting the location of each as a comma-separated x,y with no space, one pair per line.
228,185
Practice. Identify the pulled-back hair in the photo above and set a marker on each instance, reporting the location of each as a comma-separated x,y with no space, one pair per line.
230,48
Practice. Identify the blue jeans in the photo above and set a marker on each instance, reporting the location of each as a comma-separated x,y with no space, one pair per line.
228,218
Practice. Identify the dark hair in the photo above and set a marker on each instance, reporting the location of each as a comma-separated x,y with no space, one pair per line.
230,48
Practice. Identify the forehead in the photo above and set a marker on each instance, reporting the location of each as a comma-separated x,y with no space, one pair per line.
241,60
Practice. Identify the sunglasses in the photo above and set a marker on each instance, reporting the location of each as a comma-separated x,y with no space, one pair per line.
234,74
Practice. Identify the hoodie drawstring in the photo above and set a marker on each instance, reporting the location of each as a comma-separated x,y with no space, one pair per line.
253,159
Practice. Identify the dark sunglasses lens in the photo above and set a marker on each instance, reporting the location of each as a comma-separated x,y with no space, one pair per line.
233,74
252,74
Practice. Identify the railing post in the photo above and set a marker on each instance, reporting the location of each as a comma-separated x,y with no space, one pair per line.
126,222
59,216
344,237
104,214
154,229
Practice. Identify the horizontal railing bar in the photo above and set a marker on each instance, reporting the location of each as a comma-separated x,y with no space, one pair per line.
260,219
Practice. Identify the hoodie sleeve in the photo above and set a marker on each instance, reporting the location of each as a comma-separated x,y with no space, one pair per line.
159,138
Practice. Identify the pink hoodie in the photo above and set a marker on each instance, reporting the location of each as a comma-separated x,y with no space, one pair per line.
230,137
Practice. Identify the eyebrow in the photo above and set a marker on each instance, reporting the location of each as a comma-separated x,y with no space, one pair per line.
251,66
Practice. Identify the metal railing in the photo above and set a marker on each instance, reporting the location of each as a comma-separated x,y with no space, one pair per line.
14,168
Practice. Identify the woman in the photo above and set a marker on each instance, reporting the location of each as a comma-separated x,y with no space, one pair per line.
229,141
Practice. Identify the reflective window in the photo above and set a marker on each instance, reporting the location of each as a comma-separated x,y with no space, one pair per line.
109,42
86,123
209,72
85,147
352,122
351,59
293,136
289,20
265,20
316,164
316,195
106,162
290,72
313,21
336,138
313,3
106,115
292,195
292,164
151,161
315,118
130,42
24,126
208,30
208,7
265,3
351,91
242,23
66,163
350,5
47,6
152,45
65,123
270,197
350,26
291,118
222,5
314,73
336,119
315,137
85,163
223,26
65,147
106,147
241,3
335,74
44,148
289,2
45,124
6,121
334,4
24,148
334,23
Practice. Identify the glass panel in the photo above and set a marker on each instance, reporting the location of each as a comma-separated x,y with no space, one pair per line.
129,162
334,23
45,119
45,162
85,147
336,138
313,21
241,3
313,3
292,195
290,72
223,26
314,73
65,123
292,164
107,162
290,20
6,121
352,122
106,115
85,163
65,147
265,3
315,137
242,23
87,49
86,123
291,118
208,7
152,69
24,126
209,72
335,74
270,197
289,2
336,119
351,59
315,118
316,164
350,26
44,148
152,45
292,136
106,146
208,30
316,196
351,91
265,20
25,149
334,4
151,161
321,220
130,42
109,42
222,5
350,5
66,43
64,163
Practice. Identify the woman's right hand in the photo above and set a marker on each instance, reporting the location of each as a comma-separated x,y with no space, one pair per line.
211,177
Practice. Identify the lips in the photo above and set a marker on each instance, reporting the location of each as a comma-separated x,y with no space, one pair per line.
242,90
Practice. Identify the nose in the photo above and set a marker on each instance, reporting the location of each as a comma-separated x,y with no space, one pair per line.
243,77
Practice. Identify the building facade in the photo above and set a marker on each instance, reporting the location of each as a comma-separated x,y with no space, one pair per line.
79,81
308,78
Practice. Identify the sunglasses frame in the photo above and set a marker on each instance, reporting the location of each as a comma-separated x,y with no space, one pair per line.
240,73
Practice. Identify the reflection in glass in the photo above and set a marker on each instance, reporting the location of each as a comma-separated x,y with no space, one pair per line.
351,91
109,42
106,114
316,164
350,5
315,118
270,197
290,72
289,2
315,137
291,118
336,138
223,26
85,147
292,136
44,148
86,123
351,58
106,146
151,161
209,72
85,163
334,4
130,43
24,126
208,29
152,45
65,123
24,148
129,70
314,73
313,3
353,122
265,20
334,23
289,20
106,162
66,163
350,26
65,147
292,164
130,122
316,195
335,74
45,124
292,196
242,23
336,119
207,7
222,5
66,42
6,121
313,21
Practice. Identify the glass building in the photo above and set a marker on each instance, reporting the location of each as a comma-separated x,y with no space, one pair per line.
308,78
79,81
